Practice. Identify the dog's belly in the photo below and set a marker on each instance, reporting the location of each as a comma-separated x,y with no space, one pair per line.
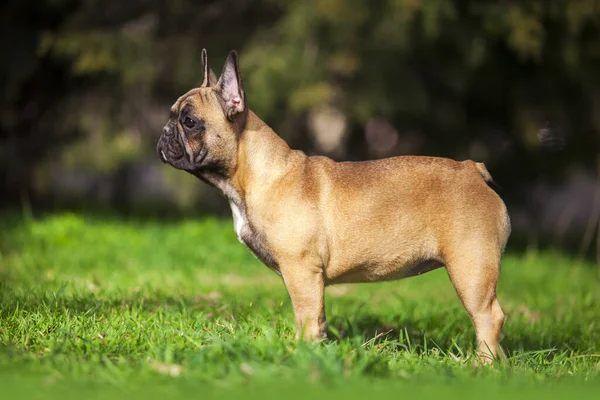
374,272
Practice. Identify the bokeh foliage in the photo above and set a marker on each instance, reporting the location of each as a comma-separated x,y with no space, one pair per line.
87,84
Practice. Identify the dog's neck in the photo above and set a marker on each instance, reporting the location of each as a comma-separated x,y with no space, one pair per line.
262,156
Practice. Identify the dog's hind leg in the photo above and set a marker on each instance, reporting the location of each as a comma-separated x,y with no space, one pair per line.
475,278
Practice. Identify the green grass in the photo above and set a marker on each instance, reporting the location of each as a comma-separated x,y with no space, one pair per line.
96,307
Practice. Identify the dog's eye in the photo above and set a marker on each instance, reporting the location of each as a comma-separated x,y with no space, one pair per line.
189,123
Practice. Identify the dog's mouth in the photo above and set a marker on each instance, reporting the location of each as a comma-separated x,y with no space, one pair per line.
169,150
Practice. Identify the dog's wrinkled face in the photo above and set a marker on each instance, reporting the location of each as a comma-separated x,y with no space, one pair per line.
204,125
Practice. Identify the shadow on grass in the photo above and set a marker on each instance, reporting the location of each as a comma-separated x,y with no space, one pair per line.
434,329
411,334
420,335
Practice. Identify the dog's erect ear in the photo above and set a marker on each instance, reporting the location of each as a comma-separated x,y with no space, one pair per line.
205,70
209,79
230,88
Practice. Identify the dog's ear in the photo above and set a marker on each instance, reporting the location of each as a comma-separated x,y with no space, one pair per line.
209,78
229,88
205,70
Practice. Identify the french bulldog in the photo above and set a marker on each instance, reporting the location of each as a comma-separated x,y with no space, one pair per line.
317,222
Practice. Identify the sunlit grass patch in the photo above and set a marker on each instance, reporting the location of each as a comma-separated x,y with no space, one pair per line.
127,305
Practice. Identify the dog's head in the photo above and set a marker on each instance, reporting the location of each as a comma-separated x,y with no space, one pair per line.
205,123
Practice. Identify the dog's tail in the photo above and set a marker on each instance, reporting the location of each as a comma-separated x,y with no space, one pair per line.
485,174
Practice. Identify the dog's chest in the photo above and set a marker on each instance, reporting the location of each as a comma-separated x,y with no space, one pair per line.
251,238
240,222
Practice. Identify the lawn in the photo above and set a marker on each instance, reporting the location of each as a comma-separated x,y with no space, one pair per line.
96,306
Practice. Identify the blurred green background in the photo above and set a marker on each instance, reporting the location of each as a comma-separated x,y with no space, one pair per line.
86,88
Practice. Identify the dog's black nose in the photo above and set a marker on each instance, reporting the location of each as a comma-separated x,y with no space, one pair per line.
167,131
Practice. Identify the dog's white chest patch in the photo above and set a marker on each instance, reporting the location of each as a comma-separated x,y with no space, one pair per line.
239,220
251,239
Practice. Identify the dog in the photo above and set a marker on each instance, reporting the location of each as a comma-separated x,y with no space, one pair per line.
318,222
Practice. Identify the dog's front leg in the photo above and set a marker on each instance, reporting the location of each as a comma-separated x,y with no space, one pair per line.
306,288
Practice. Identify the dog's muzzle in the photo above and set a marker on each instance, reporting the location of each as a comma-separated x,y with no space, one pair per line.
168,147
